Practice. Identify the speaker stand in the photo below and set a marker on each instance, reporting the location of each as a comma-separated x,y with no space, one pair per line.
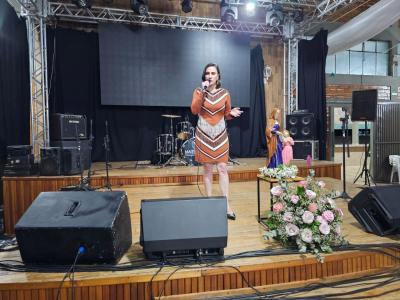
345,123
367,174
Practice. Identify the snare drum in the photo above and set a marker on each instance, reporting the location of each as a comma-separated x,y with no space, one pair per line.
165,144
187,151
183,130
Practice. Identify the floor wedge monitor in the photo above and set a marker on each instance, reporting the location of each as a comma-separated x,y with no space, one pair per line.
377,209
57,224
184,226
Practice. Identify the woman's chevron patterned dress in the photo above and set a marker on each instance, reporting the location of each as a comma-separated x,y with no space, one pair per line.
211,141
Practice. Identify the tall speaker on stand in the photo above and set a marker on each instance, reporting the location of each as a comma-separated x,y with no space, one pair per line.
364,109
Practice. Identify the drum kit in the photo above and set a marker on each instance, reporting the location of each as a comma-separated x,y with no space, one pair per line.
177,147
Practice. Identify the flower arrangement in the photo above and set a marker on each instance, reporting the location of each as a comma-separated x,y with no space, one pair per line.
305,216
281,172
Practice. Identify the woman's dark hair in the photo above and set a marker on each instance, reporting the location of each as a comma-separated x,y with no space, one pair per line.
203,77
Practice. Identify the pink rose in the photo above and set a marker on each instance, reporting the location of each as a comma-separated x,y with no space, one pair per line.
310,194
321,184
320,219
277,207
288,217
294,199
277,191
302,183
313,207
324,228
292,229
328,216
308,217
306,235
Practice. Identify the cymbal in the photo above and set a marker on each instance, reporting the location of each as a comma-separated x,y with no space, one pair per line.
171,116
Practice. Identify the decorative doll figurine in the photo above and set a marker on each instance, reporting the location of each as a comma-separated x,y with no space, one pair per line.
287,152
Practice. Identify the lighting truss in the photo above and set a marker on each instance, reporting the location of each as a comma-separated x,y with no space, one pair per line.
35,13
97,14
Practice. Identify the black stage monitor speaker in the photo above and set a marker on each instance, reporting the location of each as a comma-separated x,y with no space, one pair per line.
183,226
58,223
67,127
301,126
50,161
364,104
377,209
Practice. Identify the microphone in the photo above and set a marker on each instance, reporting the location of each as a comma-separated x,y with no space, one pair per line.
205,87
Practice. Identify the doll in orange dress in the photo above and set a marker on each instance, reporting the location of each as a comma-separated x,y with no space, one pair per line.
287,151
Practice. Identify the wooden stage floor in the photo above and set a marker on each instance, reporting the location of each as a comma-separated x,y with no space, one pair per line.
244,234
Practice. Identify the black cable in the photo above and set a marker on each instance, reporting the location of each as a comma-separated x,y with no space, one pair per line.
150,283
197,180
80,251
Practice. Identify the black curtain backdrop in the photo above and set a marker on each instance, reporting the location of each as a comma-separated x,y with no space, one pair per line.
75,88
14,82
311,82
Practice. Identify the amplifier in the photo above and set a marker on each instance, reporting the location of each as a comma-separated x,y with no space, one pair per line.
20,161
19,150
67,127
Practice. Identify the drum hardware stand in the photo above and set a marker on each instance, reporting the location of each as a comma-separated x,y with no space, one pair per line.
365,171
345,127
174,159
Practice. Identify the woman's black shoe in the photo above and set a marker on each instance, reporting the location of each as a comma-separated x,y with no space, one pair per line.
231,216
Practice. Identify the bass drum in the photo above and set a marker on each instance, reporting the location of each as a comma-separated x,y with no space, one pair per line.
187,152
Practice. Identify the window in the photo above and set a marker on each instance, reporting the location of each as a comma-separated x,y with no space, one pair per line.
367,58
396,60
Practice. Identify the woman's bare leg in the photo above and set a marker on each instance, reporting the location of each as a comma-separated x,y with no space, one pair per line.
224,183
208,178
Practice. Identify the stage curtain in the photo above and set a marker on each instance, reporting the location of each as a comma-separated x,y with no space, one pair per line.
253,136
14,81
311,83
75,88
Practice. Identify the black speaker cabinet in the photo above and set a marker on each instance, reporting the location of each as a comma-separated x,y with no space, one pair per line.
58,223
301,149
70,161
364,105
301,126
50,161
183,226
377,209
85,149
67,127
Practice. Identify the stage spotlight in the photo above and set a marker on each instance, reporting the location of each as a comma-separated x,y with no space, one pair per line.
298,16
274,15
186,6
229,14
140,7
82,3
251,7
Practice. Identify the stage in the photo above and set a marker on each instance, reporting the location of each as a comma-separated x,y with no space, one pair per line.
269,272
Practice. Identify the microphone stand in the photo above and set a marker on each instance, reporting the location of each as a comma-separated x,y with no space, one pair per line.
345,127
107,154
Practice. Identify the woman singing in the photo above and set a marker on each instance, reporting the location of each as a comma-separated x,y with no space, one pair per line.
213,106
